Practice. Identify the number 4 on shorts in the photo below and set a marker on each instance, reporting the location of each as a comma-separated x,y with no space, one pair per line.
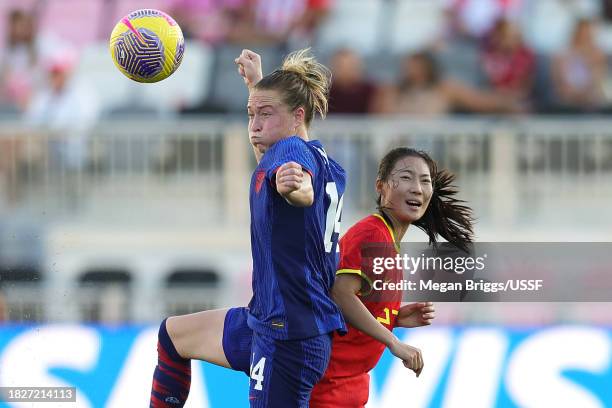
257,373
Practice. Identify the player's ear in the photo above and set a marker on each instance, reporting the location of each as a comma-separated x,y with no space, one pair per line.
379,186
299,115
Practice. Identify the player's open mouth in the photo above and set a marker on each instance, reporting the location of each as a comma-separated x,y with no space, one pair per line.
414,204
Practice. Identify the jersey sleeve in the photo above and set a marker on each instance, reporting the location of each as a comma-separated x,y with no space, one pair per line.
357,251
292,149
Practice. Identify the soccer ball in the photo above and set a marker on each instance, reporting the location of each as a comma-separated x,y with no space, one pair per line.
147,45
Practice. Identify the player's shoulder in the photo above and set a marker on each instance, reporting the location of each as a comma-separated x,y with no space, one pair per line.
292,146
334,169
291,142
370,229
316,147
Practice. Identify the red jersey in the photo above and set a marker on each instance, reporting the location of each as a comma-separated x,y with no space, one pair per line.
356,353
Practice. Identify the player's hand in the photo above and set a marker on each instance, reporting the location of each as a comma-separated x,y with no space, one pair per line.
289,178
416,315
249,67
410,356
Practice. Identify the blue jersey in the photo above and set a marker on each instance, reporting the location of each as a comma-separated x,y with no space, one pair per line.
295,249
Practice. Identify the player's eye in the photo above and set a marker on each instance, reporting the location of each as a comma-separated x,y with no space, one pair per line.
251,115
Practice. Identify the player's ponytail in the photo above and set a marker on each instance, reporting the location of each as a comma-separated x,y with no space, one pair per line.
302,81
446,215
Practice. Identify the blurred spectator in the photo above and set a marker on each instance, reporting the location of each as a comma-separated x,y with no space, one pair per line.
305,28
351,92
422,91
275,22
579,72
457,51
477,17
65,107
207,20
20,69
508,63
19,60
607,10
19,74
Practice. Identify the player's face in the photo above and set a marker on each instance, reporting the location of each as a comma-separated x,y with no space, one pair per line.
408,189
269,119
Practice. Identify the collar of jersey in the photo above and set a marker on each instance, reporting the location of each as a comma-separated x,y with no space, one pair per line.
395,243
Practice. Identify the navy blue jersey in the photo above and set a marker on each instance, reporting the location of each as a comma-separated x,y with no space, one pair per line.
295,249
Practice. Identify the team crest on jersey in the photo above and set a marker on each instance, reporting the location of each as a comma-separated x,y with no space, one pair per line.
259,179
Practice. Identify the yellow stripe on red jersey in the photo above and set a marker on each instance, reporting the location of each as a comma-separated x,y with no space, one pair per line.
356,352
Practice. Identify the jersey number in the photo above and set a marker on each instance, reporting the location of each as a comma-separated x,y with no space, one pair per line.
387,319
334,212
257,373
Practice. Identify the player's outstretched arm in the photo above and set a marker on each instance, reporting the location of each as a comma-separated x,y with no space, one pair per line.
295,185
415,315
249,67
344,293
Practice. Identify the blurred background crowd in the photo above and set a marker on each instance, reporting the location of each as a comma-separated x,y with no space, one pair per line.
114,194
421,57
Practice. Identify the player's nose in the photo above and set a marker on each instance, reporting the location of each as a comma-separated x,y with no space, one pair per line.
416,188
255,125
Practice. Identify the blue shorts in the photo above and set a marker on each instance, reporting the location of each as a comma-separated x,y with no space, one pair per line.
283,372
237,338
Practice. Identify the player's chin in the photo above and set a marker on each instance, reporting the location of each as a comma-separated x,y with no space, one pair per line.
410,216
261,148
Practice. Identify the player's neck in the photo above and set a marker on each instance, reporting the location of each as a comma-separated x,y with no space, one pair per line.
399,228
258,154
302,133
